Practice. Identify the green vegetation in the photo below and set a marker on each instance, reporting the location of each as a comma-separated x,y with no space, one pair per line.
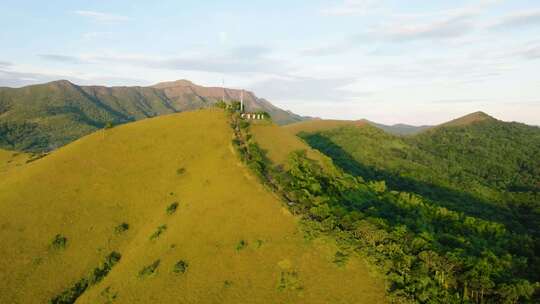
340,258
171,209
109,125
288,280
59,242
180,171
149,270
160,230
71,294
121,228
430,250
460,203
241,245
108,295
100,272
180,266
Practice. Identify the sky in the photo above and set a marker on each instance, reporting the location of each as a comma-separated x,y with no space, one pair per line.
414,61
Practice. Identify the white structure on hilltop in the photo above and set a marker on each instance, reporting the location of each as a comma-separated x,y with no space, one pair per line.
252,116
249,116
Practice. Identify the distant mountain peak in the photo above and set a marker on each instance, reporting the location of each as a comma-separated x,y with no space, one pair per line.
469,119
398,129
61,82
173,84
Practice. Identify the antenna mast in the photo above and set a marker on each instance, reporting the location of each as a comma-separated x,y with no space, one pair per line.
223,98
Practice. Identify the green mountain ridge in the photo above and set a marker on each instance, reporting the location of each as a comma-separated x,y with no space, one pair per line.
480,169
43,117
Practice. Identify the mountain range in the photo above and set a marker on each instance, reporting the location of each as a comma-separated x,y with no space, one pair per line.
133,205
43,117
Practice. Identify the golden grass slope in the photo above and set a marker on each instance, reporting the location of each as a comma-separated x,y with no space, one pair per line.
278,142
240,244
11,159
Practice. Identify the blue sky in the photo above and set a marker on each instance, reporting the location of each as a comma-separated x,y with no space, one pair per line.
415,61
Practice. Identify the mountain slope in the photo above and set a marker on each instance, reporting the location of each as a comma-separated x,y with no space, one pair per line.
468,119
484,157
315,125
399,129
483,171
44,117
227,241
10,160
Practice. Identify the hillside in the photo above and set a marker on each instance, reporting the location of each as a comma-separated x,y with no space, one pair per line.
46,116
149,213
468,119
475,167
502,154
317,125
399,129
10,160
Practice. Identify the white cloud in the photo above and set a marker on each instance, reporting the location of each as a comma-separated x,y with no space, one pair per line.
60,58
518,20
448,28
101,17
352,7
305,88
246,59
531,53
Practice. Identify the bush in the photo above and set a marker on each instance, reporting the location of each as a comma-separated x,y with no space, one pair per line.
181,266
100,272
59,242
172,208
149,270
220,104
121,228
340,258
180,171
70,295
158,232
241,245
244,124
289,281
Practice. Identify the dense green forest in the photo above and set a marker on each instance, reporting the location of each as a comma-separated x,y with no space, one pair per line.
433,242
488,169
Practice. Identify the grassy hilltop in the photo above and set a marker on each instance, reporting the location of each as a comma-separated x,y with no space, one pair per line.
160,211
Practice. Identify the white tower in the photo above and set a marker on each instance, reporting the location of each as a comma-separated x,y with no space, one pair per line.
223,98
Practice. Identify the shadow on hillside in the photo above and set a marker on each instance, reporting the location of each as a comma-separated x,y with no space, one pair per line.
442,196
